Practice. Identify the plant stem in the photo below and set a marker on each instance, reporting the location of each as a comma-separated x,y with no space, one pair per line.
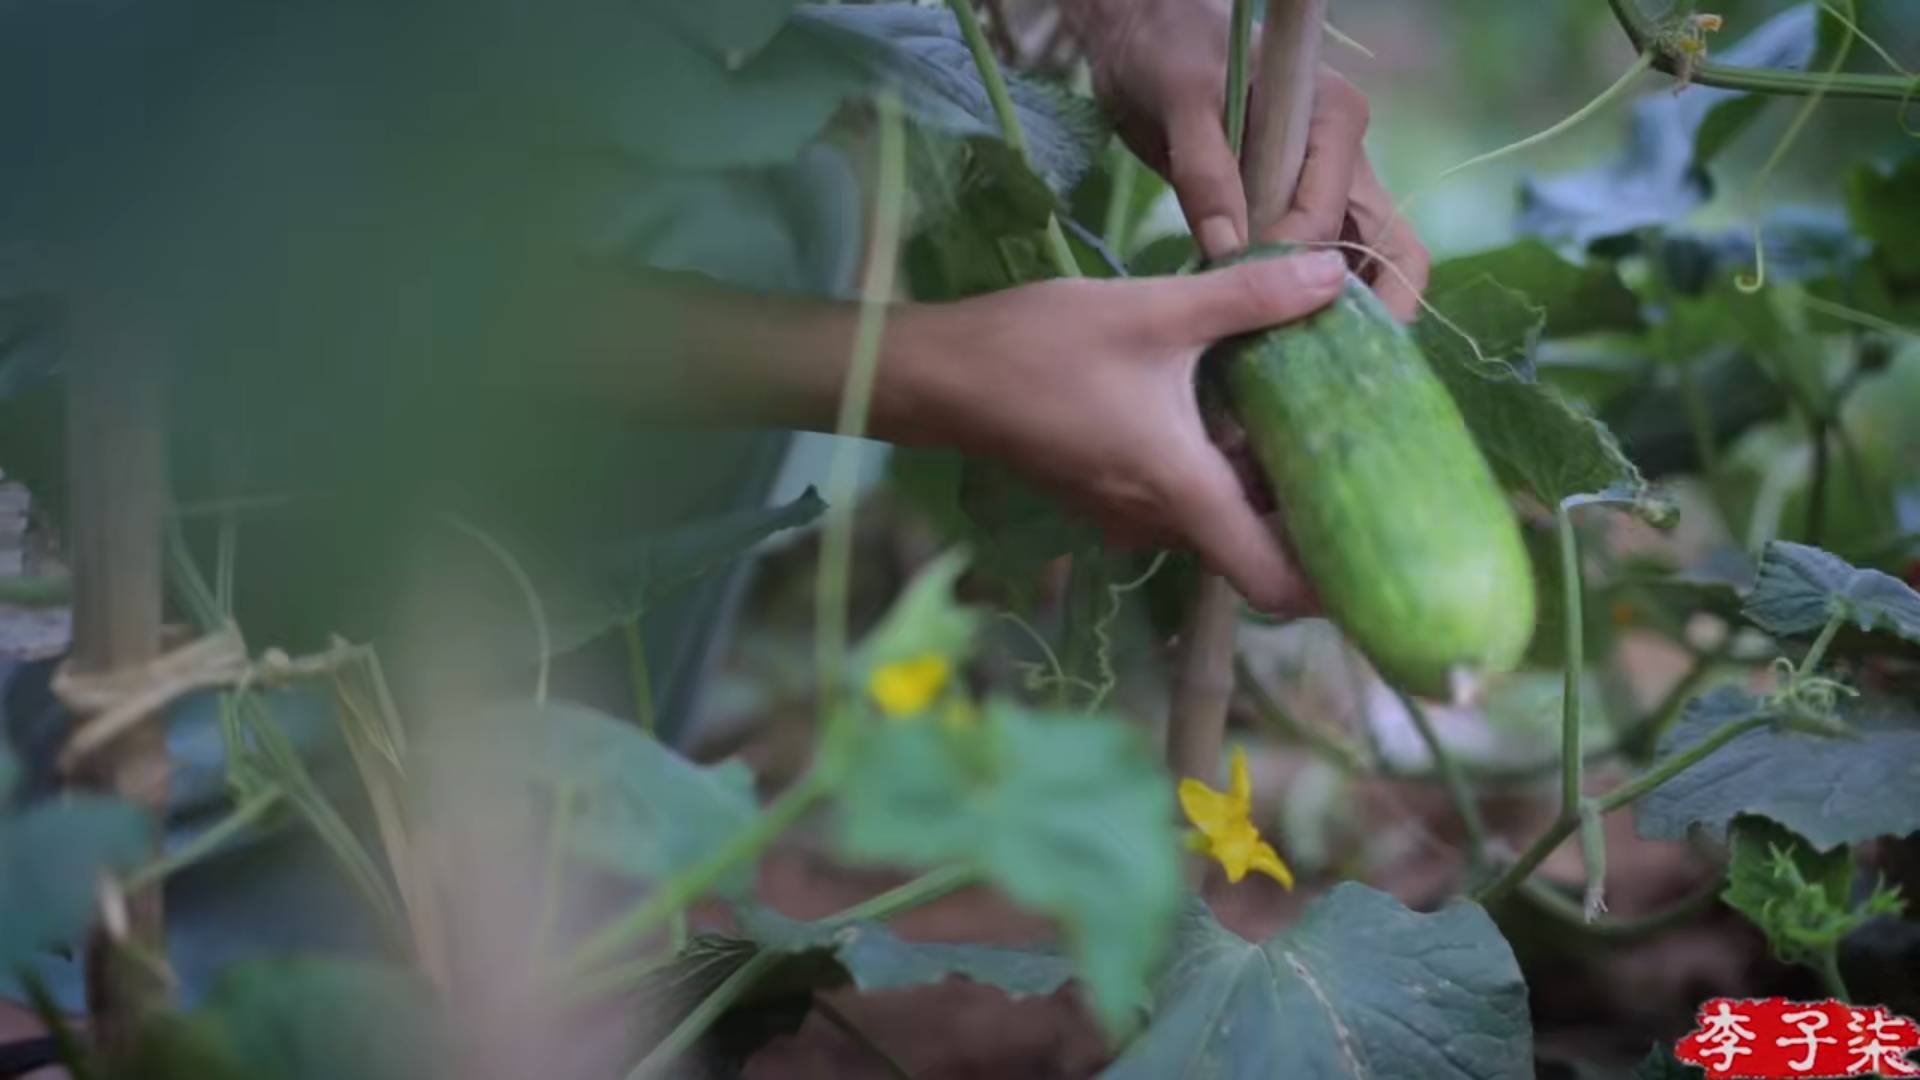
876,293
1547,900
1118,230
1058,251
925,889
1673,765
1239,50
832,1014
206,843
1818,650
536,611
1573,618
690,884
559,836
1564,826
640,675
1459,790
1593,855
1829,969
1644,33
710,1009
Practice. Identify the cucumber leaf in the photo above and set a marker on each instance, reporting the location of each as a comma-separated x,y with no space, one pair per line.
51,856
1068,814
593,593
1573,299
1830,790
874,958
1359,986
1481,345
307,1019
635,808
1801,587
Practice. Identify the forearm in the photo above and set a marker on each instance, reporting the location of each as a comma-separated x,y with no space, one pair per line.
677,349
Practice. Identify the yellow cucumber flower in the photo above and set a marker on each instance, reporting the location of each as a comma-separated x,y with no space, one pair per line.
1223,826
906,687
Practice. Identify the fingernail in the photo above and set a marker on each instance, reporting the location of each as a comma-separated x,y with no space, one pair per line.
1324,268
1218,237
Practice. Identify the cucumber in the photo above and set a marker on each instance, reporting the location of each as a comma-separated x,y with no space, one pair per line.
1393,513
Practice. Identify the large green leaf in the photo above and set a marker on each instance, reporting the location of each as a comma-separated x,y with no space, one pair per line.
635,807
1880,200
1358,987
732,29
1534,438
306,1019
51,856
874,958
1573,299
1830,790
1069,814
1802,587
919,53
597,592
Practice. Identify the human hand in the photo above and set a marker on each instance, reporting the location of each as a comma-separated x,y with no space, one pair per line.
1160,65
1088,388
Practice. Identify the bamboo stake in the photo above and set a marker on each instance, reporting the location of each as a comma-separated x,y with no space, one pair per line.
116,445
1275,150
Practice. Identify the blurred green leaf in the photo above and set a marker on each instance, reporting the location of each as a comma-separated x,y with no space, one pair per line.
1800,898
1534,438
874,958
1573,299
1163,257
1069,814
52,854
1881,201
1358,986
306,1019
634,807
1831,790
731,29
593,593
925,619
1801,587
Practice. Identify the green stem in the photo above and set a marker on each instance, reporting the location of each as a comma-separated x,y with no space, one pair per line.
710,1009
1675,764
1118,230
69,1048
1818,650
1573,618
560,834
206,843
1060,253
691,884
1547,900
52,590
1564,826
1829,969
1644,33
851,1030
1459,791
640,675
925,889
1593,855
876,293
1239,50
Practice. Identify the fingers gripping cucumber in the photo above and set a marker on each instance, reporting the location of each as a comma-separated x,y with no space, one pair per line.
1394,514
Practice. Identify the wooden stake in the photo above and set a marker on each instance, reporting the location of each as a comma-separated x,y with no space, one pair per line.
116,480
1276,149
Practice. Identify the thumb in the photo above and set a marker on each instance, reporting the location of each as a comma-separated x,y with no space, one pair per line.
1250,296
1206,178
